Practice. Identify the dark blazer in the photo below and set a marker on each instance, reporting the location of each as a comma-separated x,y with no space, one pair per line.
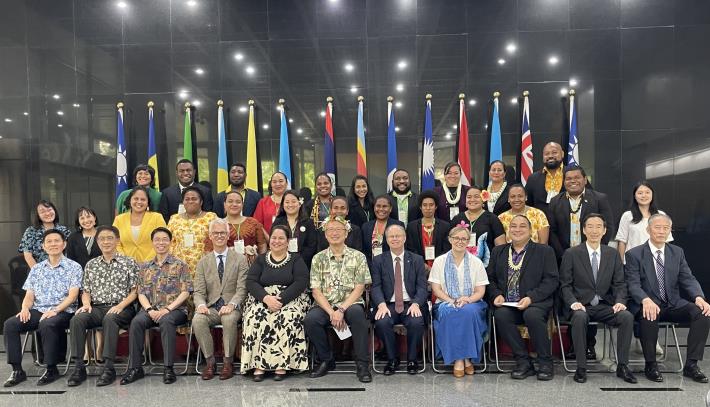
172,198
538,276
76,249
306,236
640,271
358,216
441,240
367,230
558,216
353,241
415,279
535,188
251,199
502,203
413,211
442,206
577,282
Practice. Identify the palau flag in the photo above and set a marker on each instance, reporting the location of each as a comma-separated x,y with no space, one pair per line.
391,144
329,146
152,150
573,144
284,146
463,150
526,152
252,181
361,150
121,163
427,178
496,151
222,170
187,135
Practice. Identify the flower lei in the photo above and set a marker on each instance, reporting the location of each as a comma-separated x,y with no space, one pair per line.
493,196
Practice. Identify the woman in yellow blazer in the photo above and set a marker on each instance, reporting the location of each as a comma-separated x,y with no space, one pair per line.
136,225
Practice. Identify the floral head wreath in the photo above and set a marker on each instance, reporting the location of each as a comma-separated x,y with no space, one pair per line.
339,219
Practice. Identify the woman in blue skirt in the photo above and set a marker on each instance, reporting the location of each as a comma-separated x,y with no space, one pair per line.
458,280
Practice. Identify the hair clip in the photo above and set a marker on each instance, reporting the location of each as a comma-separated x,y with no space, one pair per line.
462,225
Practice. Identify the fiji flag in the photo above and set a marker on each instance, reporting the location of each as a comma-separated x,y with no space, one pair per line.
284,147
329,149
121,165
391,144
222,170
152,151
427,149
573,144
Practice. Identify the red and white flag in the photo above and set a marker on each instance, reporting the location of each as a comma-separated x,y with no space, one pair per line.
464,152
526,152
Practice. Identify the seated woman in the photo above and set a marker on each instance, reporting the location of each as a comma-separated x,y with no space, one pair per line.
486,229
458,279
136,225
373,232
540,227
273,335
246,234
31,244
427,236
303,238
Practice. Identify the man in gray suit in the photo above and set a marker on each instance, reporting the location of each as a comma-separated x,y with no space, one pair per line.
657,275
220,290
593,289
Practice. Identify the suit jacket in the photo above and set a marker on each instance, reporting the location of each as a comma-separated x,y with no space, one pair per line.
172,198
442,206
558,217
502,203
358,216
367,230
353,241
305,235
440,238
251,199
76,249
535,188
538,276
413,211
415,279
140,249
640,271
577,282
232,289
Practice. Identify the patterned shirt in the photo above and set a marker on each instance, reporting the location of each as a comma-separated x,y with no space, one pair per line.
336,279
537,218
553,179
32,241
50,285
163,283
189,237
110,282
514,275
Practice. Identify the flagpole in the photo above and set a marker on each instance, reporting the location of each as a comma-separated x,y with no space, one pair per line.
391,144
253,180
152,148
573,137
330,166
463,150
361,146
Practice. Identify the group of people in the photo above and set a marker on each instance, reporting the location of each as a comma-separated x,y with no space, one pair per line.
296,272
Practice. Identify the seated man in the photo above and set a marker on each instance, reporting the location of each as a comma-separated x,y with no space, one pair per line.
657,274
399,291
339,207
524,273
52,287
338,278
596,296
107,301
220,290
164,284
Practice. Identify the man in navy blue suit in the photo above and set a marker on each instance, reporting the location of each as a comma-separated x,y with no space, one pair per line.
399,293
657,276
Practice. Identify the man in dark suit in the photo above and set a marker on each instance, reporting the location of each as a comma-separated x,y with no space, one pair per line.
399,292
544,184
237,178
339,207
593,288
171,200
404,202
656,274
525,273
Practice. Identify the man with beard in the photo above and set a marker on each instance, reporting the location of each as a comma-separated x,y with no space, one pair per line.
544,184
404,201
237,179
171,201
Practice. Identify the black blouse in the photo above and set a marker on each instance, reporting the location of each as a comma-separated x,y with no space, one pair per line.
294,275
76,249
486,223
305,233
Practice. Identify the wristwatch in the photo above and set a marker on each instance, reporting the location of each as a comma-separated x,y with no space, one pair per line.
149,309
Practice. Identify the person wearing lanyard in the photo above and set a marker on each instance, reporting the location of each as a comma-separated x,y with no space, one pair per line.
318,208
373,232
427,236
245,233
486,229
268,206
544,184
451,194
303,234
360,202
403,199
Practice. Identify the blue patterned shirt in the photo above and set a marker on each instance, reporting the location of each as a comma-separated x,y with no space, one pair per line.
32,241
51,285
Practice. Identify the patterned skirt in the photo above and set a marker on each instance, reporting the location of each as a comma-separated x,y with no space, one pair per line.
274,340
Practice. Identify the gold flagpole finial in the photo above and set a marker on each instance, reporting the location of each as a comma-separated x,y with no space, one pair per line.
119,105
360,98
329,99
151,104
187,105
462,96
282,101
251,102
390,98
220,103
496,94
428,96
526,93
572,92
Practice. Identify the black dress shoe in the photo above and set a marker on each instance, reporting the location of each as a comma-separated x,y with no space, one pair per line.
580,376
413,367
132,375
16,377
322,369
545,372
694,373
363,372
623,372
169,375
652,373
391,367
107,377
50,376
78,376
591,354
522,371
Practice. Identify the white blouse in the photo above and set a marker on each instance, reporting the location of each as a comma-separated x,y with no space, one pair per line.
476,271
634,234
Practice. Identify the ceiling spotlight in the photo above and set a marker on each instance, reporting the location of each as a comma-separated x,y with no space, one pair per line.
196,103
322,113
448,135
56,97
238,56
349,67
396,129
191,3
399,87
199,71
572,82
25,113
60,125
183,94
122,4
265,127
402,65
398,104
353,89
455,126
485,126
514,101
553,60
8,120
250,70
501,61
76,105
563,91
60,113
243,109
299,130
511,47
472,102
290,120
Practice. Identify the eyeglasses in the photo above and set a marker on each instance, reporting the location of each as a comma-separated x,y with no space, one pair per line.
335,230
106,238
459,239
219,234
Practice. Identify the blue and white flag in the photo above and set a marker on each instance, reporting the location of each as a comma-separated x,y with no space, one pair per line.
121,163
427,178
391,144
573,145
496,152
285,148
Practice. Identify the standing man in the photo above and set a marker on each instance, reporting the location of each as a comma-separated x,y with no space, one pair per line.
52,287
544,184
171,201
237,179
657,273
107,302
404,201
339,208
220,290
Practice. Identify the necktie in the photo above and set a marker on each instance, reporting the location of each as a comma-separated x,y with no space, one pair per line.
595,271
220,270
398,296
660,271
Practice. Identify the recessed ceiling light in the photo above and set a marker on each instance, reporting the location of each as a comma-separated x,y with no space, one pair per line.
353,89
514,101
60,125
250,70
243,109
349,67
76,105
398,104
25,113
196,103
8,120
191,3
402,65
501,61
448,135
265,127
472,102
396,129
122,4
572,82
199,71
60,113
563,91
322,113
299,130
238,56
290,120
553,60
399,87
56,97
511,47
455,126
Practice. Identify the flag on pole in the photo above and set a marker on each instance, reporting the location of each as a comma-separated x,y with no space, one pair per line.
222,169
252,181
496,151
361,150
329,146
573,144
187,134
121,163
152,150
391,144
463,150
284,147
526,153
427,178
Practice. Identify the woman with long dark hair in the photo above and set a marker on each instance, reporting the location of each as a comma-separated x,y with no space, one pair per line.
303,237
632,227
361,201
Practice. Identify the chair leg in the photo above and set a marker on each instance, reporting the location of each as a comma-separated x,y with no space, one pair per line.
562,345
677,347
372,351
187,357
69,352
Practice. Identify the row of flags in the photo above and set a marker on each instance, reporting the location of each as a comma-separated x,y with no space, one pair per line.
463,157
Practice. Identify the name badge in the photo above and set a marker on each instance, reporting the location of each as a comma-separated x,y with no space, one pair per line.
550,195
189,239
181,209
472,241
403,217
376,251
293,245
429,253
453,211
239,246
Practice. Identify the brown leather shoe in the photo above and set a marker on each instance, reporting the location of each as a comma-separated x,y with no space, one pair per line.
208,373
227,369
